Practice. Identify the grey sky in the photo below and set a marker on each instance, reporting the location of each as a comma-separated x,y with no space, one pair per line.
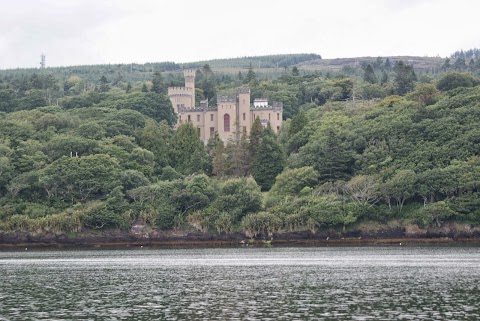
78,32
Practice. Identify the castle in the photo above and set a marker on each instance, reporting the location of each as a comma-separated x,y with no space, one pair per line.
232,116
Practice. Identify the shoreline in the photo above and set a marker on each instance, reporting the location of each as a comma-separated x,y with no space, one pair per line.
366,235
189,244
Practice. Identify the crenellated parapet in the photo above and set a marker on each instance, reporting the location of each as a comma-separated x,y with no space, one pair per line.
243,90
180,91
226,99
190,109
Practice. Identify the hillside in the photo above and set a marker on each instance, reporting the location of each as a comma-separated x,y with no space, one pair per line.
271,66
337,64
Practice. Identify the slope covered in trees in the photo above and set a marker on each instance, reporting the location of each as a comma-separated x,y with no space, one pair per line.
391,145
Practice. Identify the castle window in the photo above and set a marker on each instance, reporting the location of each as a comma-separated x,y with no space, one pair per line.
180,118
198,131
244,116
189,118
278,129
212,131
278,116
211,117
198,118
244,129
183,105
226,123
178,106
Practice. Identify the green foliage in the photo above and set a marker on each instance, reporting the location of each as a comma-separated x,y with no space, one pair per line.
261,223
454,80
80,178
293,181
269,160
238,197
187,152
369,75
405,78
66,168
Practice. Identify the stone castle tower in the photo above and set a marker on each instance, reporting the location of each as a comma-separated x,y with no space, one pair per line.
232,116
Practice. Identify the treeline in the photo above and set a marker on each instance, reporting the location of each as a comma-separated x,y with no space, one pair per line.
271,61
136,73
377,148
467,54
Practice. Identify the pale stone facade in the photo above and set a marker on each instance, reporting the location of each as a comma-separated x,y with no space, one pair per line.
232,116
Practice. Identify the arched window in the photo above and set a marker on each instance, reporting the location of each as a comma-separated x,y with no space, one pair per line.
226,123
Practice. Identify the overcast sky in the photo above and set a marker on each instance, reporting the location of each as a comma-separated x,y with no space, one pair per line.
78,32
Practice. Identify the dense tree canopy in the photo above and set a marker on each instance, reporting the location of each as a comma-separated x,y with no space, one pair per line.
88,148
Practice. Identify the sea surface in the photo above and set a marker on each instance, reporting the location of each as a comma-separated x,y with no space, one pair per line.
316,283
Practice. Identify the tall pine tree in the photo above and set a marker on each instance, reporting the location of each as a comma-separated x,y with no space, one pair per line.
269,160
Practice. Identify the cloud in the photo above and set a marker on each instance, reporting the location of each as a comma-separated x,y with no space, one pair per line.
121,31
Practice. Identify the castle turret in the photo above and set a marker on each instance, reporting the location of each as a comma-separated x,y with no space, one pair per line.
189,75
244,115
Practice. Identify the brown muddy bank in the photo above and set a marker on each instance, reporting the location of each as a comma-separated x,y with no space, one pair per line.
366,234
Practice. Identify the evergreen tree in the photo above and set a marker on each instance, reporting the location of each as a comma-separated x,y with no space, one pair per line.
256,133
104,87
384,78
219,160
471,65
460,64
295,71
239,157
388,65
369,75
144,88
157,83
334,157
251,77
155,138
187,151
129,87
269,160
404,78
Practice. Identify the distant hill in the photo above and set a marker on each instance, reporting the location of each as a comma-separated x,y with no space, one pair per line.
142,72
272,65
337,64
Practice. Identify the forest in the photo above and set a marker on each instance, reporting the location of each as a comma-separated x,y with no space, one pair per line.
85,149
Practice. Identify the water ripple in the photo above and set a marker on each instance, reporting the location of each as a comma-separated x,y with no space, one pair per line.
365,283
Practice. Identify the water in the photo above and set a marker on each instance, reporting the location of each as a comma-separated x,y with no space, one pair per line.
340,283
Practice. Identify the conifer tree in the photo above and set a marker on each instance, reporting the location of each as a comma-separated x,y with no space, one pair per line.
239,156
256,133
369,75
187,151
384,79
155,138
269,160
157,83
219,160
404,78
250,75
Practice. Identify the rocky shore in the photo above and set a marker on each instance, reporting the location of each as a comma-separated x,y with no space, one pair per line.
365,234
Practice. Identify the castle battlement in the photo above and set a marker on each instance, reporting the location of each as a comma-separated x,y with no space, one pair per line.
189,72
231,114
190,109
243,90
179,90
226,99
